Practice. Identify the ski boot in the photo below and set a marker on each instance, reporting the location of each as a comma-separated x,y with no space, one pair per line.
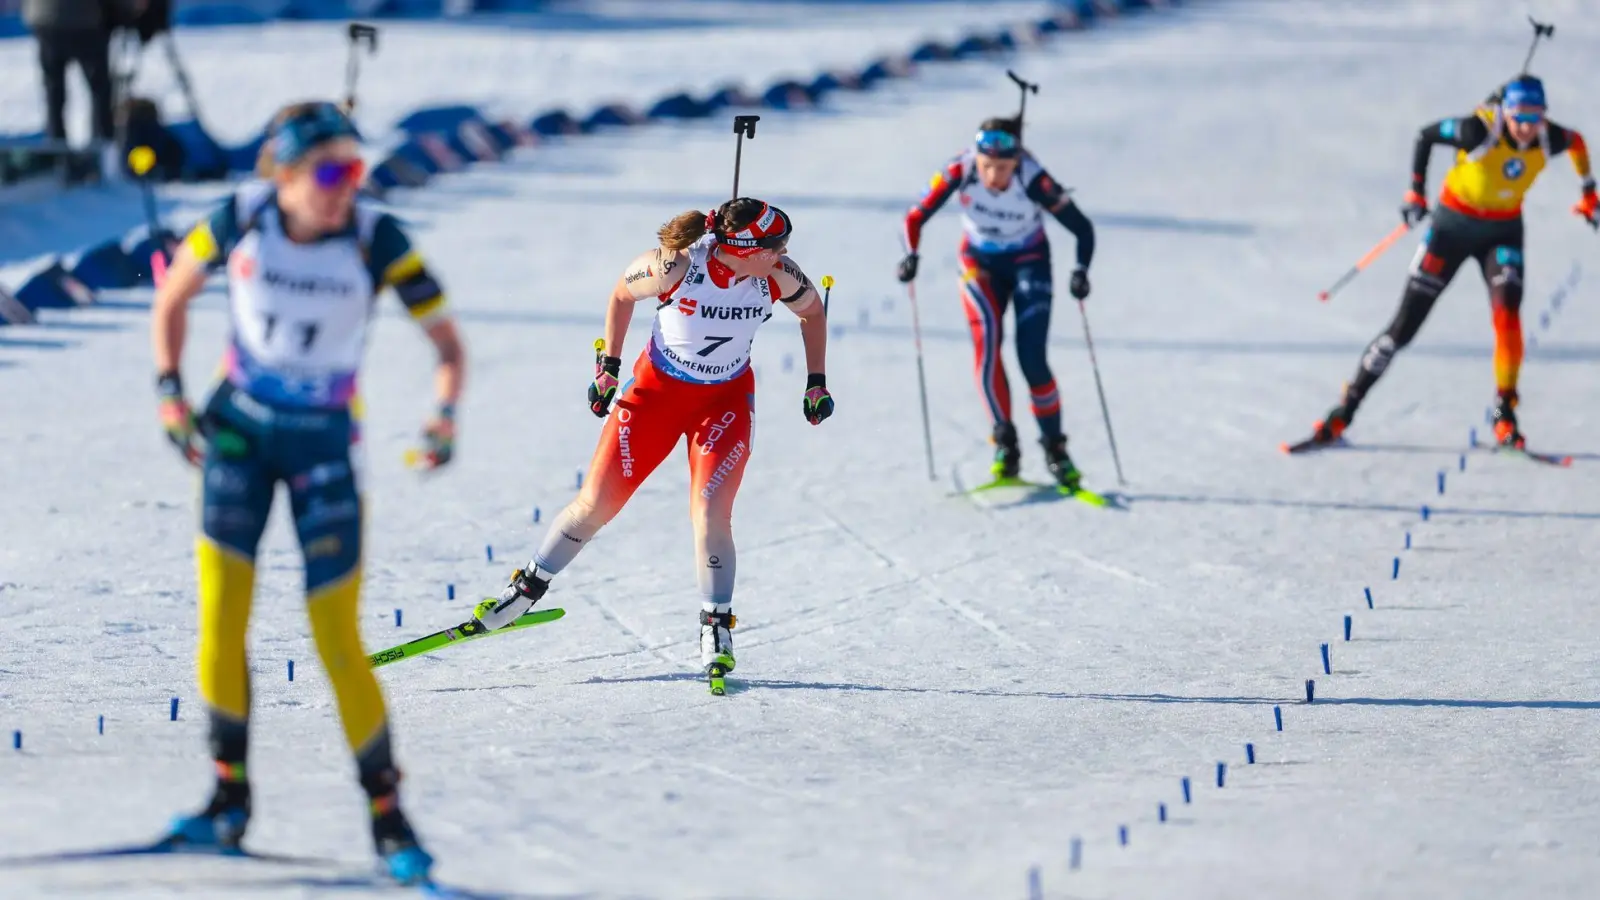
518,597
716,647
222,823
1068,478
403,857
1328,431
1331,428
1007,456
1505,421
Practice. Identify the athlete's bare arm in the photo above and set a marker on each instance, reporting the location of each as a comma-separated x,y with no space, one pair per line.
652,275
796,292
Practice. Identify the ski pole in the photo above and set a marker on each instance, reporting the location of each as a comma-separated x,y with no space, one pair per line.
1361,264
1105,411
744,127
827,289
183,78
141,160
922,378
359,33
1540,30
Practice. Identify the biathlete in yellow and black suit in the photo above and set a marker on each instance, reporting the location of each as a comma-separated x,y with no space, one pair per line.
305,259
1500,151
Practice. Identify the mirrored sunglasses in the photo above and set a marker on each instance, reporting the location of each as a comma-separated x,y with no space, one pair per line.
336,173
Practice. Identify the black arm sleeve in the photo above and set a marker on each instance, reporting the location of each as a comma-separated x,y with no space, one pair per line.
1073,219
1053,199
1463,134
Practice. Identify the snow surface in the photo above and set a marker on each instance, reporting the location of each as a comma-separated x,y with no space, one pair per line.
934,696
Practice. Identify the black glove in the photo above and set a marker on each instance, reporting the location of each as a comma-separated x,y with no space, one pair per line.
818,404
1079,285
439,438
604,386
1415,207
908,268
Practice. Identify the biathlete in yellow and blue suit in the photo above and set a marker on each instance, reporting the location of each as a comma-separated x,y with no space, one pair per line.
1500,151
305,259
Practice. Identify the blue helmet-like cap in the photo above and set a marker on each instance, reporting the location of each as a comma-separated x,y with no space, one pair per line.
317,124
1524,91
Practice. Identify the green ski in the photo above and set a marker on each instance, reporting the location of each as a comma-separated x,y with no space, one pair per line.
1004,481
470,630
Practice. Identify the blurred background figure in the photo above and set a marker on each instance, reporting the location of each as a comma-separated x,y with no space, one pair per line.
77,31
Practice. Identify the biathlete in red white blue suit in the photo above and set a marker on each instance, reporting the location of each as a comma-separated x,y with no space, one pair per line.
1005,259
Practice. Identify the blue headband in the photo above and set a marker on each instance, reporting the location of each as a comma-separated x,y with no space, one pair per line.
317,125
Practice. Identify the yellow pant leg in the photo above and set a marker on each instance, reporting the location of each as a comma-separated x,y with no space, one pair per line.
227,584
334,609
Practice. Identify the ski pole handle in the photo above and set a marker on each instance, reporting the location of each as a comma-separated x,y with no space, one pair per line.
1361,264
827,289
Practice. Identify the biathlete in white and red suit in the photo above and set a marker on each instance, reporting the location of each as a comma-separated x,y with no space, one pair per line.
1005,259
714,280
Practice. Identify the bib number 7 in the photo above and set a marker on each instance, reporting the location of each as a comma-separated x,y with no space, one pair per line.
712,343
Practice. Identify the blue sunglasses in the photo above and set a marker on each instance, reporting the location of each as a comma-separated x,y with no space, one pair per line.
1003,144
1527,117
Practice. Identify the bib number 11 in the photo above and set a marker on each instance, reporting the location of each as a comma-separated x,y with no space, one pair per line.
308,332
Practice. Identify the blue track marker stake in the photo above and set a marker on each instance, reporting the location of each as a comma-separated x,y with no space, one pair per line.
865,319
1441,481
291,670
1327,664
488,553
1277,717
1488,415
536,515
1161,811
1462,466
16,740
1185,783
1122,835
397,618
1222,773
1544,320
1426,512
1408,540
788,362
1076,860
449,592
174,709
1396,575
1347,624
100,726
580,479
1369,597
1311,690
1472,437
1250,754
1035,884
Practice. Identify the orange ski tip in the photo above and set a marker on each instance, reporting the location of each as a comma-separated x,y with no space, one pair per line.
1323,296
1284,446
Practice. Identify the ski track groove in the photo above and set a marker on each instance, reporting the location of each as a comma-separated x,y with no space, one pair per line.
934,595
1077,556
657,650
